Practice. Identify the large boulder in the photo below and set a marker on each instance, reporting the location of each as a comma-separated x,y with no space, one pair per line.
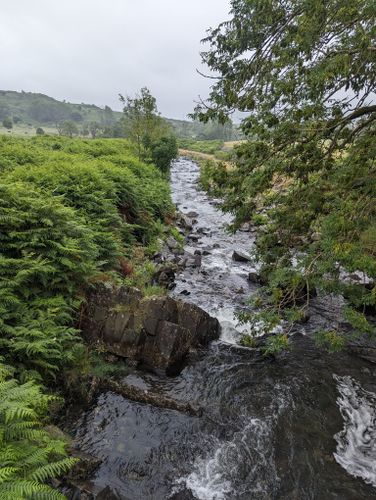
157,332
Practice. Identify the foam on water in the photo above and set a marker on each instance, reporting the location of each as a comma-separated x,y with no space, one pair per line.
356,448
213,477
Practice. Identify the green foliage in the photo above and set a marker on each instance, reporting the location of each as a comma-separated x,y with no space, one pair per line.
69,209
29,456
332,340
68,128
213,177
41,110
248,341
7,123
46,254
39,131
163,151
306,71
276,344
142,122
207,147
38,110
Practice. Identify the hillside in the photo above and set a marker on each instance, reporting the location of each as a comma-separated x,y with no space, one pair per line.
29,110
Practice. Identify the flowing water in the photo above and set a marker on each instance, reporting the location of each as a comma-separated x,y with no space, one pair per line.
299,427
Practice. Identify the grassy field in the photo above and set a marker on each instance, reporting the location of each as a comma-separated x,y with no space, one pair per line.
24,130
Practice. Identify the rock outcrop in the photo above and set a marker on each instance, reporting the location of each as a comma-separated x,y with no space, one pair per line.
157,332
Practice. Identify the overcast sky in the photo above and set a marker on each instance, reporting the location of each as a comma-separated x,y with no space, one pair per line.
90,50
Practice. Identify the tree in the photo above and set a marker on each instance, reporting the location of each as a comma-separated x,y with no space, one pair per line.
7,123
76,117
4,111
39,131
142,122
67,128
163,151
108,115
94,129
305,74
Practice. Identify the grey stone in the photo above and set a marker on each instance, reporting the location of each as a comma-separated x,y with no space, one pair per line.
246,227
172,243
155,331
239,256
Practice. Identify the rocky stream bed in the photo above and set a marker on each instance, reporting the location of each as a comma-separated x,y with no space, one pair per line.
232,424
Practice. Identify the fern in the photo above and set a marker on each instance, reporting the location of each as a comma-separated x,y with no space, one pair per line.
28,455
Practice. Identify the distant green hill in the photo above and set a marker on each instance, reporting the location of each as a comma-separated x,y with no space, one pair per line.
38,110
29,110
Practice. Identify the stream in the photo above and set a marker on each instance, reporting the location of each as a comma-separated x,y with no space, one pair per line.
300,427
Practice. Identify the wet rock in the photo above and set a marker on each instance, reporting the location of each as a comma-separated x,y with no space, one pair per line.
197,252
192,214
245,228
206,252
85,467
193,261
202,327
178,251
185,222
254,277
169,347
216,245
182,261
185,292
172,243
183,495
157,309
203,230
108,494
239,256
155,331
193,237
165,276
363,347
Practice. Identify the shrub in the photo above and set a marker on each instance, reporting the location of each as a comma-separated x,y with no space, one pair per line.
163,151
7,123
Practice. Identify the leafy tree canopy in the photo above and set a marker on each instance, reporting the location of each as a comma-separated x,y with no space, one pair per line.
304,72
142,121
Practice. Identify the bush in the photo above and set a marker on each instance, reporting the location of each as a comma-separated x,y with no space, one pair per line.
163,151
7,123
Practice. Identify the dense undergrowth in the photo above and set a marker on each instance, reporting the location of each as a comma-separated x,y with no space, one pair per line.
72,212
